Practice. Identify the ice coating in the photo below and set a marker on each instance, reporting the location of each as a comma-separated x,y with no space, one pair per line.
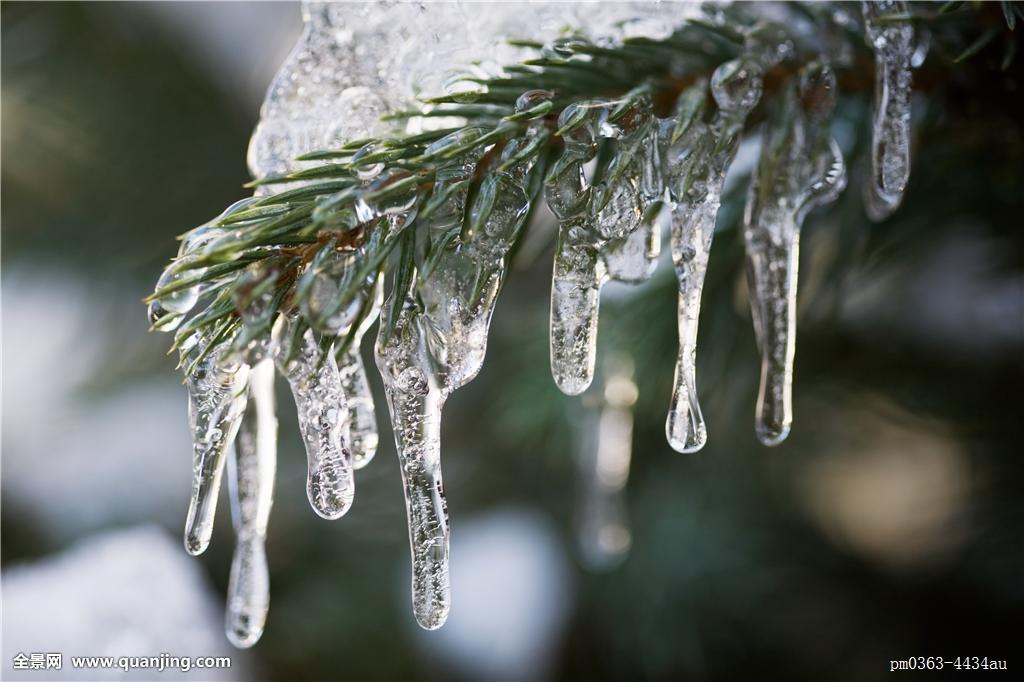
331,273
436,343
313,375
697,159
216,401
634,259
892,40
355,385
801,167
595,220
251,470
604,450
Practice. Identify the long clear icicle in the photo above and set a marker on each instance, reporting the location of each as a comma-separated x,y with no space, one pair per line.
313,375
697,161
415,407
892,39
436,343
252,468
216,401
801,167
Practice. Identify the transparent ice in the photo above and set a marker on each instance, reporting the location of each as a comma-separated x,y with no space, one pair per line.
216,401
435,344
312,373
696,163
596,223
801,167
355,386
892,39
251,470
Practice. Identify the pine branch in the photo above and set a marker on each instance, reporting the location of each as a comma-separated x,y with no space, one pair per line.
379,196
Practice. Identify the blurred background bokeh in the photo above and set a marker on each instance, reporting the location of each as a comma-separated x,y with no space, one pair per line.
887,526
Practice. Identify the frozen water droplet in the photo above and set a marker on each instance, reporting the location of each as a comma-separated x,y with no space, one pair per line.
163,320
251,471
181,300
367,169
312,373
892,40
333,273
801,167
217,398
532,98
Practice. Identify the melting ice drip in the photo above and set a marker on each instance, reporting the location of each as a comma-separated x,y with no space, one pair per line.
619,165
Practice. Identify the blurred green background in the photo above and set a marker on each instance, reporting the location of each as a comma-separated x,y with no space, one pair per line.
887,526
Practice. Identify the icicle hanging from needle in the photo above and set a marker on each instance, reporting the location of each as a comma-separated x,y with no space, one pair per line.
891,36
251,468
801,167
216,382
596,217
699,156
312,373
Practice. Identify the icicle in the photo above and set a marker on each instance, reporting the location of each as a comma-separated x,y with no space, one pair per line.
698,159
251,471
316,386
801,167
362,417
436,343
415,407
892,39
217,399
591,217
604,452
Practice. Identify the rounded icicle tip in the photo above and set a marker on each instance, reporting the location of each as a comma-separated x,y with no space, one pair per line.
329,499
736,86
772,435
197,540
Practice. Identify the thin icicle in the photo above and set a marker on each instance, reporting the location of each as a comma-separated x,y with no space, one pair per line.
251,471
362,417
892,39
313,375
415,406
801,167
698,159
216,400
435,344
